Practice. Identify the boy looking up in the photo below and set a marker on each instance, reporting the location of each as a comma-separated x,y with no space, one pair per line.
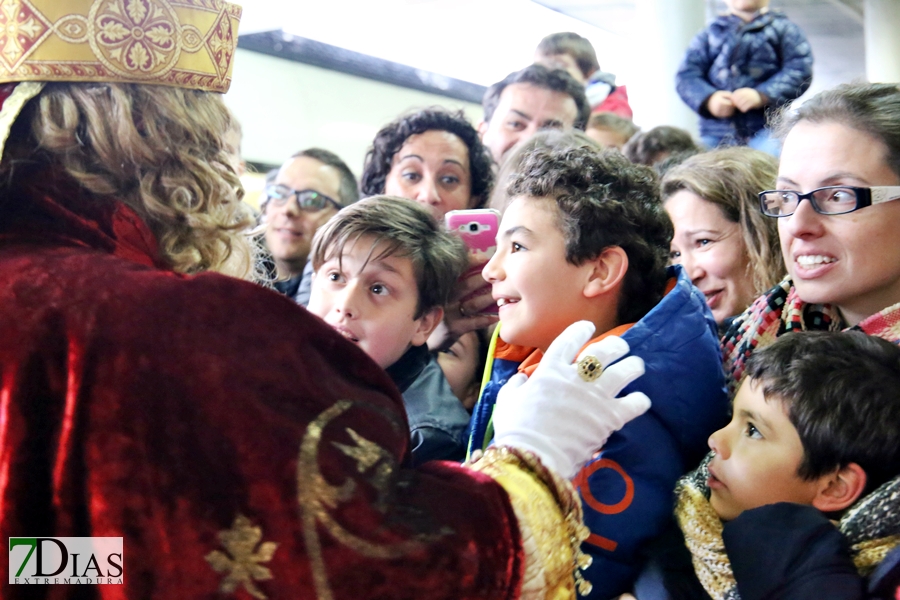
383,270
585,238
814,430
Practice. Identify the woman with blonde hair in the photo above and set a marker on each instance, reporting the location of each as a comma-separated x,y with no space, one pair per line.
726,246
136,406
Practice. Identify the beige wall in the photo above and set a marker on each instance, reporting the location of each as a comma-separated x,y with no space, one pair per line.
285,106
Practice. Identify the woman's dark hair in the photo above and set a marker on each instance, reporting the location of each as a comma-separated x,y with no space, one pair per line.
392,136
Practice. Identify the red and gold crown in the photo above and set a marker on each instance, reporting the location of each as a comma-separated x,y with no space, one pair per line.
183,43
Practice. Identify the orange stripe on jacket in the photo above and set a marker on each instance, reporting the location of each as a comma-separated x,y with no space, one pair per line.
534,359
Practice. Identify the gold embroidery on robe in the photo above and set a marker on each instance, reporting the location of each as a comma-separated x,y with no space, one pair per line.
245,553
317,498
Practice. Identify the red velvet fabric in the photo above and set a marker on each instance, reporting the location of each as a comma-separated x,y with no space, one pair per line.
140,403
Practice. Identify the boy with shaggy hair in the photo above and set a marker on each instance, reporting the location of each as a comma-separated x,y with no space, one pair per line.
814,430
383,271
586,238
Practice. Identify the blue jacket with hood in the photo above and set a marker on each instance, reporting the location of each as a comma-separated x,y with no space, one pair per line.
627,488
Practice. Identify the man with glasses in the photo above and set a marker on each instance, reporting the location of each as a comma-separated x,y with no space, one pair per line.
308,190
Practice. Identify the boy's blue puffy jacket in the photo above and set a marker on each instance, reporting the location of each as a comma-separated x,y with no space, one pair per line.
627,488
769,54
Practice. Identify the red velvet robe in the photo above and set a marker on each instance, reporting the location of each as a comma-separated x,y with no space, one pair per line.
166,409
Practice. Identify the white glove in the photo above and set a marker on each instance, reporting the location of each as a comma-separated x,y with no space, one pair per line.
557,414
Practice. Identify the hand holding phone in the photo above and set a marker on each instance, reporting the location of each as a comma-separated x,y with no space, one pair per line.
478,229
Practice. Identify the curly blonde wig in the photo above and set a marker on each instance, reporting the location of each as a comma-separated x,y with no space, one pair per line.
161,150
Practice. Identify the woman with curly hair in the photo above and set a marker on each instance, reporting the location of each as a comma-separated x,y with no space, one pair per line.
432,156
436,158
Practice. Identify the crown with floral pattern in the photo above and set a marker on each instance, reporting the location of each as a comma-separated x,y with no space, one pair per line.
182,43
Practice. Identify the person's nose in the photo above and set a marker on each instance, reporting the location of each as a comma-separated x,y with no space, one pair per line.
718,443
291,207
493,271
427,192
804,223
347,303
692,267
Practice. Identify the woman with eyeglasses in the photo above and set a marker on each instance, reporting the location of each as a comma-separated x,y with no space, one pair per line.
725,244
837,222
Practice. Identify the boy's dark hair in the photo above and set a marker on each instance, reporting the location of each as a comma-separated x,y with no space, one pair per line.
348,190
574,45
555,80
650,147
841,391
613,122
604,201
408,230
392,136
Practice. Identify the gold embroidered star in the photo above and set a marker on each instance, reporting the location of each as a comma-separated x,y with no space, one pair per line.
243,558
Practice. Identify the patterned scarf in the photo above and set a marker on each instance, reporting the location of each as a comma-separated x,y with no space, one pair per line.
780,311
871,527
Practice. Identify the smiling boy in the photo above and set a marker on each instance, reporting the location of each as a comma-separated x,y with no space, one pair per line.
814,430
383,270
586,238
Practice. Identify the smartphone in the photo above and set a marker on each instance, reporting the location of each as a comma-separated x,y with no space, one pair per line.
478,229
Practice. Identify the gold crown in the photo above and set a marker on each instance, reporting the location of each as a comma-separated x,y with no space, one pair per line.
182,43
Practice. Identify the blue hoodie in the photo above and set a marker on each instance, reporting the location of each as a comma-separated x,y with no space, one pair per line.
627,488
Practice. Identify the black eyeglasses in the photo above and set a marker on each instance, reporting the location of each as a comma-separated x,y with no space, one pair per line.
306,199
831,200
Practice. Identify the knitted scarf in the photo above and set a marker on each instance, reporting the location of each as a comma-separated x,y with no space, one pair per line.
871,527
780,311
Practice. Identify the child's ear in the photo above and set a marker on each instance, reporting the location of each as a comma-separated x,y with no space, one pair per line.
608,271
426,324
840,489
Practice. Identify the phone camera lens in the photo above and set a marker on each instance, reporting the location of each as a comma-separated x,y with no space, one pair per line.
473,227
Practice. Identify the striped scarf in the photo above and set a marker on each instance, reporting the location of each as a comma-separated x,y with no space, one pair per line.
780,311
871,528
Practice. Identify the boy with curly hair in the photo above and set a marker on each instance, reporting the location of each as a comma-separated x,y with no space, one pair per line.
586,238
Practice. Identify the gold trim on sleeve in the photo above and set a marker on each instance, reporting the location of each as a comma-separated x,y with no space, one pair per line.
550,519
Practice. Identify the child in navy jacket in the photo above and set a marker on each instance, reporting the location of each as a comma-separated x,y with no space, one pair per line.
740,65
